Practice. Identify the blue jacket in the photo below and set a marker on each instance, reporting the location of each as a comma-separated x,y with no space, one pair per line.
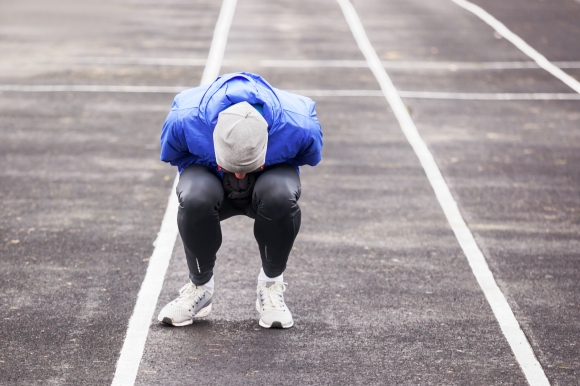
294,134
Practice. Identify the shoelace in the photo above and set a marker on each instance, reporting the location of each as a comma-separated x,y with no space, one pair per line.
272,296
187,294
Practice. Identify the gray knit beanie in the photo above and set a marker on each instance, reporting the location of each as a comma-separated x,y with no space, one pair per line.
240,139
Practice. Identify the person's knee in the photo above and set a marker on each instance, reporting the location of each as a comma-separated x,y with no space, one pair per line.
198,202
277,201
199,192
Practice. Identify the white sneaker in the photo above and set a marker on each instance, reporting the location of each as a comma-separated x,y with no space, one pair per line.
192,303
270,304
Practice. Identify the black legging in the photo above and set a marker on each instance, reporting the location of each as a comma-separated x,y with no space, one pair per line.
202,205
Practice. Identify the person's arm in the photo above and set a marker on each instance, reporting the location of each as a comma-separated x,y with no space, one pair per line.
310,152
173,146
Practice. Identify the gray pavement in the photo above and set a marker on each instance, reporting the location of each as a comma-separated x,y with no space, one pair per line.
82,192
379,287
513,167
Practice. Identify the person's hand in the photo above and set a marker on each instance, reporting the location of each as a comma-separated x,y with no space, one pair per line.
239,189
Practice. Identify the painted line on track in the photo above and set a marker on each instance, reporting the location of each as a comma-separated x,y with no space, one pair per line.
507,321
489,96
414,65
388,64
442,95
310,93
219,41
314,63
505,32
91,88
124,60
138,329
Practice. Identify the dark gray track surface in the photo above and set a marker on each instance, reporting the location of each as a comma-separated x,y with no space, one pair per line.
379,288
82,191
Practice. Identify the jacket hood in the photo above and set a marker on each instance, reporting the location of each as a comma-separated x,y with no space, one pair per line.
238,87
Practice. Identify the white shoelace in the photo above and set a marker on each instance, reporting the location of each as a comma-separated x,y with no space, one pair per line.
272,296
188,294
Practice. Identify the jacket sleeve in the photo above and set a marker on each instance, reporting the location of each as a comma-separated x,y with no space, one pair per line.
173,146
310,152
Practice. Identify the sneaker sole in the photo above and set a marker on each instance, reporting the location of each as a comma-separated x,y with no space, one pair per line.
201,314
274,324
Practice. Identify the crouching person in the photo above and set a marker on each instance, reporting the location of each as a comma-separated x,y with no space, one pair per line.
238,144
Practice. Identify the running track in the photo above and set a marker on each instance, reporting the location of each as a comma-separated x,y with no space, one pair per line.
389,280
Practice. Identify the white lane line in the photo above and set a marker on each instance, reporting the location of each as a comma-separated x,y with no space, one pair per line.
416,65
218,44
92,88
403,65
388,64
314,63
520,43
338,93
508,323
310,93
441,95
129,60
138,329
489,96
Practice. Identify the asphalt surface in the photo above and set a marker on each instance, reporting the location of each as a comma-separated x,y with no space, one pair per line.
379,288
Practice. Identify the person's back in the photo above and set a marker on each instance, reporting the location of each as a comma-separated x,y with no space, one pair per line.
238,144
